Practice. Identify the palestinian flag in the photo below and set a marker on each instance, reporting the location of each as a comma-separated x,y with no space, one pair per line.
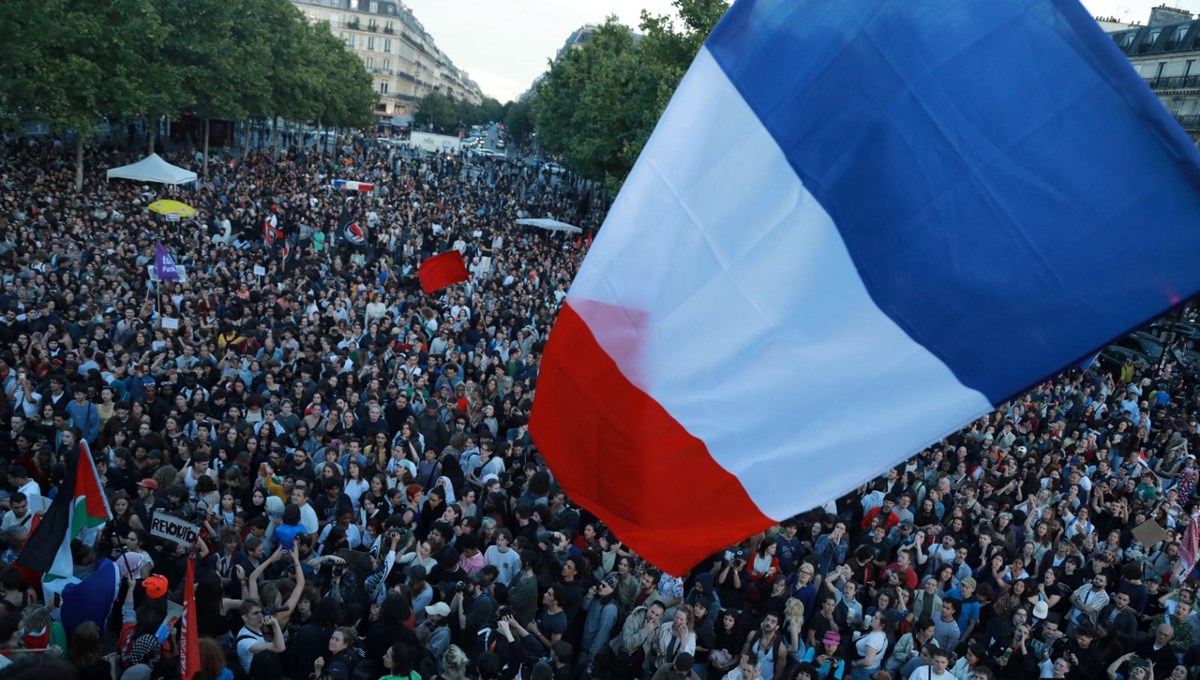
80,504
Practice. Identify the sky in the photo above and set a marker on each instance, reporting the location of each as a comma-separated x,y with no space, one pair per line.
505,44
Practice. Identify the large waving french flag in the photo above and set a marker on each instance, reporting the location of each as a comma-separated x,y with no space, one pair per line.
858,226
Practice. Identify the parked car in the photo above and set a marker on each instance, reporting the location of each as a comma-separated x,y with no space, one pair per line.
1114,356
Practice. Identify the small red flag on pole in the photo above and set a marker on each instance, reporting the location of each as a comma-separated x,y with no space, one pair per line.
442,270
189,662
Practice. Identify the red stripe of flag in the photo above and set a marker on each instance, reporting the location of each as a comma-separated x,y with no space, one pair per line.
607,441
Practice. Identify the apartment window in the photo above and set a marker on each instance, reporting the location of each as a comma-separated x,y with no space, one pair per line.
383,88
1187,68
1151,38
1162,65
370,62
374,7
1177,35
349,37
387,64
370,43
387,45
335,20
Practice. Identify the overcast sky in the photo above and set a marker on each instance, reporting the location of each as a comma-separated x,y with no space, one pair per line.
505,44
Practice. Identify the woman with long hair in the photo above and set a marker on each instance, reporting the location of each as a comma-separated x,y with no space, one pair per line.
793,622
84,653
727,644
355,485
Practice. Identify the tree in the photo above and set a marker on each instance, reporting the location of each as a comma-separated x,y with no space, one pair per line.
437,110
518,121
598,105
99,65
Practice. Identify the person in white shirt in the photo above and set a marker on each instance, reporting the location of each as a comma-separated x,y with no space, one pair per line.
18,513
504,558
308,516
938,669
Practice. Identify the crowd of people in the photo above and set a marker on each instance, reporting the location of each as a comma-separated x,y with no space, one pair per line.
372,505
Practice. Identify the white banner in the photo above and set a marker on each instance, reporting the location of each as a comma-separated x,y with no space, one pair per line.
174,529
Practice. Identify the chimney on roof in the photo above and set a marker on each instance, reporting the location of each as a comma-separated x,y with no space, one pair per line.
1163,15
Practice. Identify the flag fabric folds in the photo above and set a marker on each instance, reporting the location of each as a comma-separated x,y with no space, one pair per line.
271,231
895,221
351,185
80,504
441,270
1189,548
164,264
92,598
189,635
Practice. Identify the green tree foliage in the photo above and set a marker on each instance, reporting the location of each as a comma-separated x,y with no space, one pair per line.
71,63
438,110
599,104
518,121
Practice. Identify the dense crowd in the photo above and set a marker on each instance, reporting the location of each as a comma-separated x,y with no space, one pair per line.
372,504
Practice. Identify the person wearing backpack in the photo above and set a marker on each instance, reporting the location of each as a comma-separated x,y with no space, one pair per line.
343,657
253,649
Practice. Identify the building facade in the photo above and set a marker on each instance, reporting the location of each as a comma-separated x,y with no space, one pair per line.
1166,53
398,52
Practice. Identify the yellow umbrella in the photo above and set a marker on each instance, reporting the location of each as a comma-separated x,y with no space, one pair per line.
166,207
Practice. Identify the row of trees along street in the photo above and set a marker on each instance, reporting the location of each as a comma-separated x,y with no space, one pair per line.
71,65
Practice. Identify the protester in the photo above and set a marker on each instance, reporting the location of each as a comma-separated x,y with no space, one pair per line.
311,398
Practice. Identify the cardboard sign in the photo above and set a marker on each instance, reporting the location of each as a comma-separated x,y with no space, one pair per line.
172,217
174,529
260,270
1149,534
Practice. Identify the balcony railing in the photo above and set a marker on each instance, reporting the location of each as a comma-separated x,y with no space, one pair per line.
1189,122
374,28
1174,83
352,24
389,30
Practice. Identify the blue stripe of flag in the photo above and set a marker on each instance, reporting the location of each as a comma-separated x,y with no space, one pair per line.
1012,194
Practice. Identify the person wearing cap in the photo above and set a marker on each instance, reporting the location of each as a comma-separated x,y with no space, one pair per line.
890,519
418,586
827,657
601,606
147,502
435,631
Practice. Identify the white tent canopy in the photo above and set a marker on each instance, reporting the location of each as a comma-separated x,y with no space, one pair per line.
550,225
152,168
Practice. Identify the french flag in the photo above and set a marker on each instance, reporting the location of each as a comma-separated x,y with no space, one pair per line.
857,227
351,185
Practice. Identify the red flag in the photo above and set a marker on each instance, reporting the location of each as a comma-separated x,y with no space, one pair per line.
189,652
442,270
